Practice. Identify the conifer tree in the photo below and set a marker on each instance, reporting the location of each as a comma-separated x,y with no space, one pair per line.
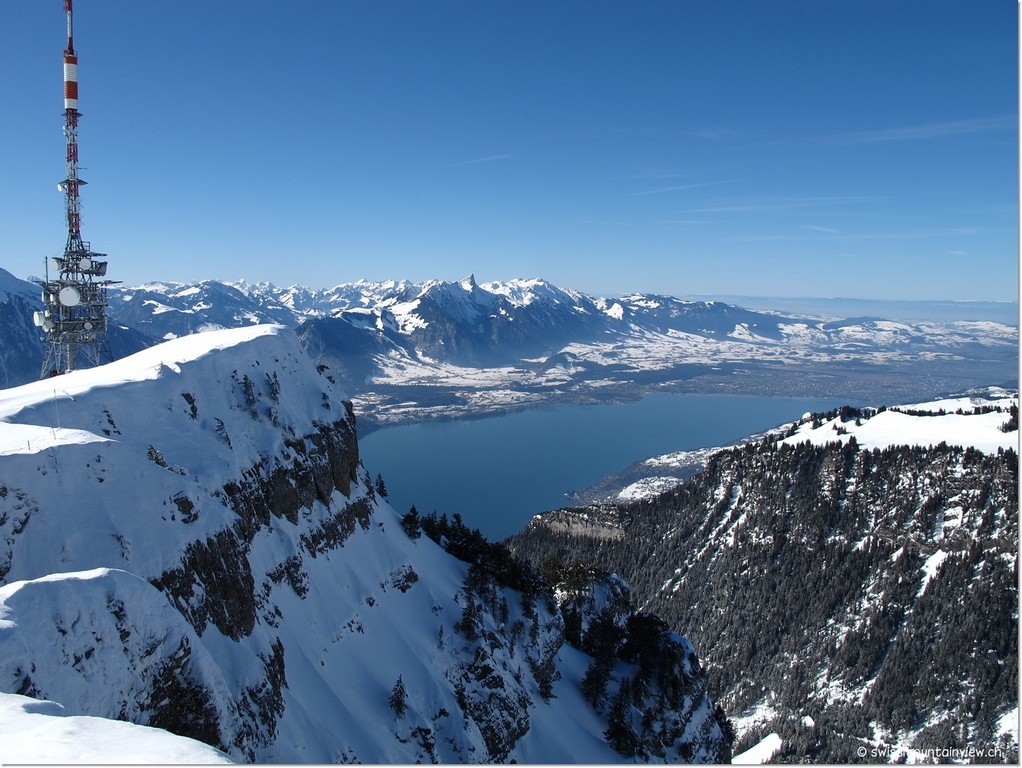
411,524
620,734
397,698
594,682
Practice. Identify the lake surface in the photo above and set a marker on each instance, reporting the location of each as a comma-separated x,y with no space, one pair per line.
498,472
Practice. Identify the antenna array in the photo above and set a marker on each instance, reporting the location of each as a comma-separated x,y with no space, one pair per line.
75,301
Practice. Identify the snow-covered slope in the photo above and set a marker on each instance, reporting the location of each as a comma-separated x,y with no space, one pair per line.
188,541
34,731
761,753
975,421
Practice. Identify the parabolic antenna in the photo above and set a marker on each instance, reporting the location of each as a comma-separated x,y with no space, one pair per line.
69,296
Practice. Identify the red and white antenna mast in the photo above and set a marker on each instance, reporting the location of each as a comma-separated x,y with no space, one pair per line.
71,184
74,319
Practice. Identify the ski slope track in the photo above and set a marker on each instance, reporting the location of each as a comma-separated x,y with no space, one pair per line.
190,544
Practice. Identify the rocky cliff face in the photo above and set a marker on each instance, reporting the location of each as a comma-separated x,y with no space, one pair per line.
843,598
189,541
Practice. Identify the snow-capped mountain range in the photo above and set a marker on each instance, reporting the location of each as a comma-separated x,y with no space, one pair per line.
443,349
189,542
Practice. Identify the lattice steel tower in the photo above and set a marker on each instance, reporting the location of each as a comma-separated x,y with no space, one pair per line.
74,319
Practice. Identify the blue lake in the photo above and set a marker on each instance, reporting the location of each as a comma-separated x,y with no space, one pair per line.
498,472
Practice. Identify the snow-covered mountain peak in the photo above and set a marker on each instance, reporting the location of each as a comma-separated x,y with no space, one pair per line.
196,547
164,430
522,292
148,364
10,285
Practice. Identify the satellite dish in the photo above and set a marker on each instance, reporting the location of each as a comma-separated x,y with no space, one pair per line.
69,296
87,326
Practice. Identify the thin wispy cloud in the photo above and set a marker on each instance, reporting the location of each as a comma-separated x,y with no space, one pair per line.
777,205
926,233
479,161
713,134
656,173
601,222
681,222
905,235
817,228
923,132
676,188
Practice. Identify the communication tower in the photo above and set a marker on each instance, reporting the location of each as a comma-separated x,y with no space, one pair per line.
74,318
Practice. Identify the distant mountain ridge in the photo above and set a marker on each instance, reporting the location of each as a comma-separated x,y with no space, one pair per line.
443,349
909,310
21,348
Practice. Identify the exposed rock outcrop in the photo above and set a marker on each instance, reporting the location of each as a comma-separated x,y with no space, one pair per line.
200,537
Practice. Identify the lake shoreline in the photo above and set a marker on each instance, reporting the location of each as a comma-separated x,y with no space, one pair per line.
499,472
388,406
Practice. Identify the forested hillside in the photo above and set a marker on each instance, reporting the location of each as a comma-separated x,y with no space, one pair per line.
841,597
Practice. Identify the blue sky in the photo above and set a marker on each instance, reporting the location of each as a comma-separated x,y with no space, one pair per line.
761,147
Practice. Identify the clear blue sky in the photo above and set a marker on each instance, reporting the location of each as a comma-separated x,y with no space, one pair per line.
767,147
